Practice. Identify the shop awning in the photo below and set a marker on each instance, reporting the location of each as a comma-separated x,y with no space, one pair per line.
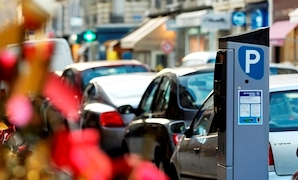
129,41
294,15
279,31
190,19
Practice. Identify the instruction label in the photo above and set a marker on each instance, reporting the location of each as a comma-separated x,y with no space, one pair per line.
250,107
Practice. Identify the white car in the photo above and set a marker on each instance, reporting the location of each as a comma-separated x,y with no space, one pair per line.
283,136
198,58
279,68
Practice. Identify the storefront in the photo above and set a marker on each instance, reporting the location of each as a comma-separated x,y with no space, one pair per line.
190,36
145,42
218,24
283,32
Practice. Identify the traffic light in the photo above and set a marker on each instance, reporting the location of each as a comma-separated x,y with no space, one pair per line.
89,36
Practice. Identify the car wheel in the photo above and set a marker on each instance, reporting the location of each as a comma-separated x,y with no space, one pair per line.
124,148
161,162
173,173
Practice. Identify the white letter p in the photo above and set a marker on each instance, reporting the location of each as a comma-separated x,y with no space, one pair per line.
249,61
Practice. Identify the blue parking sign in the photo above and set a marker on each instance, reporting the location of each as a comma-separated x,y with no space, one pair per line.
251,60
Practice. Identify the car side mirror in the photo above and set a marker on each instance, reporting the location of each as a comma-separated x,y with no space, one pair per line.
177,127
188,132
126,109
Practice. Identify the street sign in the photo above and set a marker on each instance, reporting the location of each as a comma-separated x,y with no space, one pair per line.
166,47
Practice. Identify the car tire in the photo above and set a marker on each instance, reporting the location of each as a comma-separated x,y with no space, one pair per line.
124,148
160,161
173,173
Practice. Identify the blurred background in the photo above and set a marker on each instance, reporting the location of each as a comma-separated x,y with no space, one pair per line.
161,32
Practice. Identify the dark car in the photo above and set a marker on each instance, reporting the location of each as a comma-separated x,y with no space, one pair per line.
102,97
196,156
77,77
174,95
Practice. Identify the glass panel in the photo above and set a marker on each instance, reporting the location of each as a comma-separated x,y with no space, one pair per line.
146,102
194,88
110,70
163,96
202,121
283,111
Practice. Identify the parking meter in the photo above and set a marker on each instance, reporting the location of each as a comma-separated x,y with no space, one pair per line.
241,105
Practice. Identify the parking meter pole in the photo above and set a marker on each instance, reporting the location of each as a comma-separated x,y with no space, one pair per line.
241,105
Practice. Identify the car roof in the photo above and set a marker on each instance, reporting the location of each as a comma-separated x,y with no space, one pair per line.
122,77
281,65
183,70
282,82
200,55
81,66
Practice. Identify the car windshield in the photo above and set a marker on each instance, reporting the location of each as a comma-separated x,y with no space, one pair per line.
284,111
89,74
194,88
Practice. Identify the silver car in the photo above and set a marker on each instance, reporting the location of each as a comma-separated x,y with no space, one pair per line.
101,99
187,163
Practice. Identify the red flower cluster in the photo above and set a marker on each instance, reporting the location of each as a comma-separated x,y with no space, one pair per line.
78,152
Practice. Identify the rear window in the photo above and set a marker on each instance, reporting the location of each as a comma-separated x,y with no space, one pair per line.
284,111
194,88
110,70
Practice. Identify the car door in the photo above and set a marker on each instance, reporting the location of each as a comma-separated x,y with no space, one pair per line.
155,133
190,148
208,143
135,130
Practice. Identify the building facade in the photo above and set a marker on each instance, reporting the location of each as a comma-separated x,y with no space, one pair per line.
160,32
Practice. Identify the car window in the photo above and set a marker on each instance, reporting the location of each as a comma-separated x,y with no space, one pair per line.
280,70
211,60
147,99
69,77
194,88
163,95
204,118
89,74
283,111
88,93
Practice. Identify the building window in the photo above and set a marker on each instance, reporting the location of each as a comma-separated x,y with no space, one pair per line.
157,4
169,1
87,20
94,18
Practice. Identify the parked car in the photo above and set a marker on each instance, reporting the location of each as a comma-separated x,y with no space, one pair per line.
173,95
278,68
78,75
102,97
197,58
283,141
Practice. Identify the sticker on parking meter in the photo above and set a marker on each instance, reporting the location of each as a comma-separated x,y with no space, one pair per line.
250,107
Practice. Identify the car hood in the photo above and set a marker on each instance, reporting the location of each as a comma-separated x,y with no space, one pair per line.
284,149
